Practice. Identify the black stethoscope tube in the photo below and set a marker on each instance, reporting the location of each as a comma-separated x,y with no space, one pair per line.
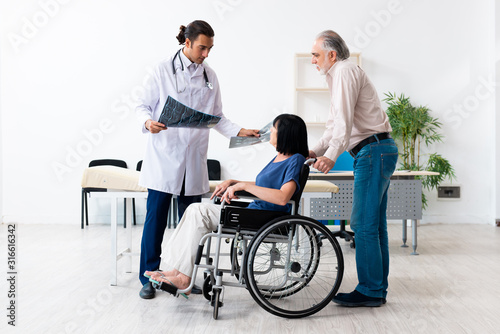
177,55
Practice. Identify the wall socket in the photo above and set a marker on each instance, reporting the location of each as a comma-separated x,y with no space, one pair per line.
452,192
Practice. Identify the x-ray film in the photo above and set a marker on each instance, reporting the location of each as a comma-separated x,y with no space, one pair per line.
177,115
265,135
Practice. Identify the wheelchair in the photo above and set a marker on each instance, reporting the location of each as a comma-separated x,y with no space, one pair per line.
292,265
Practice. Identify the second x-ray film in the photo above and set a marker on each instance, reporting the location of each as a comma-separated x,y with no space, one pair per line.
265,135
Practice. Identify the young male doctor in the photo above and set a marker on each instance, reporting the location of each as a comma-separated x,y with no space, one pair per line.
175,162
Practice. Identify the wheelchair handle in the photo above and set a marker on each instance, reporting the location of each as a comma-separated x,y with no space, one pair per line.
310,161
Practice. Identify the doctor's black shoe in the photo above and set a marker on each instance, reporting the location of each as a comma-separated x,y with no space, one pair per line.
196,290
357,299
147,291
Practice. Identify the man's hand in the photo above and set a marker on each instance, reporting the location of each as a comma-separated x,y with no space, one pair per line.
312,155
323,164
248,133
154,127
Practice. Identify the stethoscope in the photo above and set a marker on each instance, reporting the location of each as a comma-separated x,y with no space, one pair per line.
177,55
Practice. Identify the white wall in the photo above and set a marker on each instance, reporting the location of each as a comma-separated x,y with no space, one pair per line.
67,86
497,110
1,153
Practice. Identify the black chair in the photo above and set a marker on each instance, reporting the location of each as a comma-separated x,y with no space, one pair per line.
347,235
214,173
137,168
86,191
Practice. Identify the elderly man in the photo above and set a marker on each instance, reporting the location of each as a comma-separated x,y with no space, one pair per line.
357,123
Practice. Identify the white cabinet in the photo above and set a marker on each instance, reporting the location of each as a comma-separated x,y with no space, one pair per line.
312,98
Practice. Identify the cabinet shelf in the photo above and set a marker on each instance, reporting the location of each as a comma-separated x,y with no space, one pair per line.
322,124
312,97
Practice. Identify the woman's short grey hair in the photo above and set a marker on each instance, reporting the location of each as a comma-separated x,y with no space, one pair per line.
333,42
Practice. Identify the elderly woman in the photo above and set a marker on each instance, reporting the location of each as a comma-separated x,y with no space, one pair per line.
274,186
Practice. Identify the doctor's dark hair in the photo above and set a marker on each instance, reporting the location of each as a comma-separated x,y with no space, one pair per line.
193,30
333,42
292,135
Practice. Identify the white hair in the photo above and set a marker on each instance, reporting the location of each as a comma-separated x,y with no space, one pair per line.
333,42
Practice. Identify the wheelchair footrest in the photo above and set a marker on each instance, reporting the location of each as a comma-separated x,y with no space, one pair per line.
165,287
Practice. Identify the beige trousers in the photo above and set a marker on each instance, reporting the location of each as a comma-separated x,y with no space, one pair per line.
198,220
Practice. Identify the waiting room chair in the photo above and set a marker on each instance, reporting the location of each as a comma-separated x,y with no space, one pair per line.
214,174
137,168
214,171
87,191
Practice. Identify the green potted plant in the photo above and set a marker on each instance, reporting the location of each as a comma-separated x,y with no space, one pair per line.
412,127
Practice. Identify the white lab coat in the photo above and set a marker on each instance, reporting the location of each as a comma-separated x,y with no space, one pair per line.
175,151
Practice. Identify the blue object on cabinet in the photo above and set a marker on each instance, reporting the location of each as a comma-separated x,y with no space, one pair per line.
344,162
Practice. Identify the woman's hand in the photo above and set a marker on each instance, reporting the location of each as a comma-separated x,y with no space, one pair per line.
221,188
230,192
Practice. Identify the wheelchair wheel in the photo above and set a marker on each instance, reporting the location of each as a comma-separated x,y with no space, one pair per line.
294,267
207,288
216,302
312,241
235,259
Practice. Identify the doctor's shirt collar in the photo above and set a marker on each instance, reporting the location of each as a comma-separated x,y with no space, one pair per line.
191,66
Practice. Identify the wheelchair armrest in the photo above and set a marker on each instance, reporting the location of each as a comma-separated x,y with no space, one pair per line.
242,204
245,194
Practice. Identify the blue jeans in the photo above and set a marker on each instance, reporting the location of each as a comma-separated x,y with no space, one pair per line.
373,167
157,206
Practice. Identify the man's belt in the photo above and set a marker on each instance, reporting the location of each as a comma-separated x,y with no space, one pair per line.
369,140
